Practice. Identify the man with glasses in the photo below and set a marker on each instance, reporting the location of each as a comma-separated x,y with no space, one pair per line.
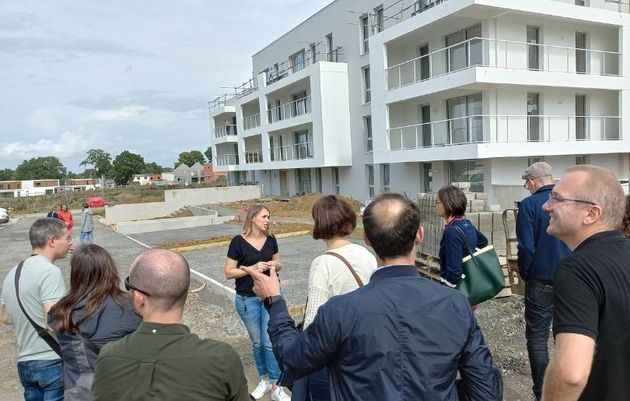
538,255
162,360
591,326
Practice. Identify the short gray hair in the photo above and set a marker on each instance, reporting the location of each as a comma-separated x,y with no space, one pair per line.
44,228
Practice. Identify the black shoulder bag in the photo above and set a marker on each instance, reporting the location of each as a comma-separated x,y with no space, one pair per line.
41,332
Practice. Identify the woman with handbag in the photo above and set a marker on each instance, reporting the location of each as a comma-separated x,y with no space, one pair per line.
95,311
343,268
451,205
256,246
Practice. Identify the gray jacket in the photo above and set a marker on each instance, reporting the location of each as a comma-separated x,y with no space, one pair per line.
87,221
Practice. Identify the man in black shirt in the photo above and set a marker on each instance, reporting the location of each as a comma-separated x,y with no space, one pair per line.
591,296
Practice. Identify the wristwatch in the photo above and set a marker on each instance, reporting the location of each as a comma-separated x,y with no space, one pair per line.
268,301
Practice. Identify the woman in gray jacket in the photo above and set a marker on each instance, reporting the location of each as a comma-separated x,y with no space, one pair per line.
87,225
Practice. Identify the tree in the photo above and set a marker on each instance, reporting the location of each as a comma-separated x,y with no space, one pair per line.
7,174
190,158
40,168
125,165
101,162
152,168
208,154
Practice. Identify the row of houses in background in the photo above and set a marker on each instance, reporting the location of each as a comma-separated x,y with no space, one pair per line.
181,175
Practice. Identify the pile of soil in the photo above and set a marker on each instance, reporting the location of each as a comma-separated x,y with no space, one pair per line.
296,206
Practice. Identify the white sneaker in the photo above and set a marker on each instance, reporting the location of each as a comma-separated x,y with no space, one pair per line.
263,387
279,395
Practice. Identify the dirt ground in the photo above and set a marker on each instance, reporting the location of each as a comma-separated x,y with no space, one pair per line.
299,206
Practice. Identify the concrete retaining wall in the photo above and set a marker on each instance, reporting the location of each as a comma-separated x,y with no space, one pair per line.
148,226
178,198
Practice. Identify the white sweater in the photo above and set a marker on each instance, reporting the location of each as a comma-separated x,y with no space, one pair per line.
329,276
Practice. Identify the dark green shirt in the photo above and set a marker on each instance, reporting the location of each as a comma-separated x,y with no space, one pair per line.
166,362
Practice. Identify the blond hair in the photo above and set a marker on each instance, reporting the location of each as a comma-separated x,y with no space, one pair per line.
602,188
252,212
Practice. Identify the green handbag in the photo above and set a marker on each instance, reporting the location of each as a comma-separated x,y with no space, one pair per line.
482,277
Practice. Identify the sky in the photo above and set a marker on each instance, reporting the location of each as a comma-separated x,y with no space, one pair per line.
125,75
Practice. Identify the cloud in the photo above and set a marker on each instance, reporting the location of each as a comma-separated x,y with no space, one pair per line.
18,21
146,98
31,44
68,145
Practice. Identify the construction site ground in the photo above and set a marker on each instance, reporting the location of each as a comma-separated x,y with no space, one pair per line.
210,310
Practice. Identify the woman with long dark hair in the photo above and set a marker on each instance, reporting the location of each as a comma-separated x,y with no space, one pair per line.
256,247
95,312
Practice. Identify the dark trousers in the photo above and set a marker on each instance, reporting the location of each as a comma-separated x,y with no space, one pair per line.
538,316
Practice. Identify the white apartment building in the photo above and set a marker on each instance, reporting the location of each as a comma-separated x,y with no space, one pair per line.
368,96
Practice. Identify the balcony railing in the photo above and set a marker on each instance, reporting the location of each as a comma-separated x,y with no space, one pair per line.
484,52
254,156
298,151
289,110
227,160
503,129
251,121
310,57
225,130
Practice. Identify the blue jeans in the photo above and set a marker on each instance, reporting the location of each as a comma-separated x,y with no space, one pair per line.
42,380
87,237
538,316
255,317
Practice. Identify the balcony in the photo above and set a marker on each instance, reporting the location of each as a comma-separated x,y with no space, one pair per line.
301,60
226,131
505,129
252,121
506,54
289,110
298,151
227,160
254,156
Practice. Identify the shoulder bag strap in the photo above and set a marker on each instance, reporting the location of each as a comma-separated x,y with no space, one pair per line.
356,276
41,332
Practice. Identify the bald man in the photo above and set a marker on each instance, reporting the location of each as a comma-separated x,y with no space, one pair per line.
162,360
400,337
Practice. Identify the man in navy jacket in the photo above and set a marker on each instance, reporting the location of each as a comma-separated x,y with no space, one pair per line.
538,255
400,337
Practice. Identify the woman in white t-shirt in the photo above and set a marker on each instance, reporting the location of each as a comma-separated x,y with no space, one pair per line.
329,276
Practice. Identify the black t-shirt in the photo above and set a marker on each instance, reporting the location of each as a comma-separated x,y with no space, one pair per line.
592,298
246,255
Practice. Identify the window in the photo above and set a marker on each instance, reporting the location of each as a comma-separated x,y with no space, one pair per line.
534,159
580,53
364,23
313,51
581,160
303,180
580,3
370,180
425,71
463,50
427,130
465,119
299,105
581,126
470,171
385,177
367,129
336,180
533,117
533,48
427,177
380,21
303,145
298,61
367,94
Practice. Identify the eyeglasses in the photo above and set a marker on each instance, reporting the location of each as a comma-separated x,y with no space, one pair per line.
555,198
129,287
526,185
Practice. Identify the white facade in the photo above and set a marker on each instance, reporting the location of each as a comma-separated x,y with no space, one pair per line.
366,96
29,188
